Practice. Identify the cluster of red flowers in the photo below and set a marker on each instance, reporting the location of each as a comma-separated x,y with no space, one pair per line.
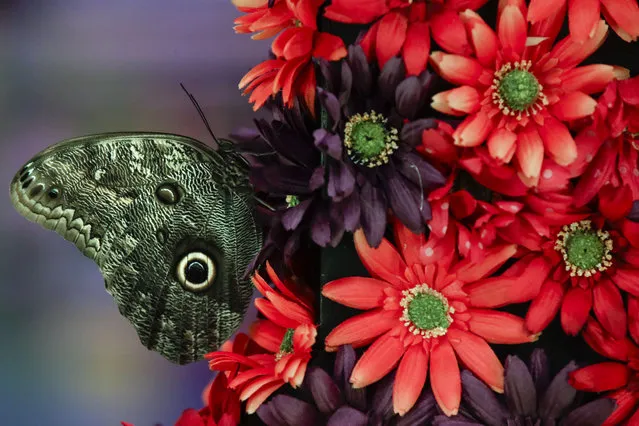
555,143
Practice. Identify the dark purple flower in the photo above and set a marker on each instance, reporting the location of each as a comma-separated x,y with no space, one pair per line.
289,175
335,402
531,397
374,124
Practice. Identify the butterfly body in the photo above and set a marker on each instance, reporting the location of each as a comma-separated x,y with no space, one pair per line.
168,221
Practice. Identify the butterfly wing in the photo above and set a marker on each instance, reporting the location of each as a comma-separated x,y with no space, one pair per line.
168,221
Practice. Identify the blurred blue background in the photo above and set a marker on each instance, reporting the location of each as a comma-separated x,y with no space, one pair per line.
74,67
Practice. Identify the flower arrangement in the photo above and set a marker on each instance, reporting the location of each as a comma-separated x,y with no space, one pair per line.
467,175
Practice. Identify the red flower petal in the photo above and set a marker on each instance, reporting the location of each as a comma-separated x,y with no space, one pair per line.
542,9
383,262
356,292
457,69
583,15
558,141
545,306
473,130
260,395
299,44
478,356
449,32
494,257
625,17
501,144
575,309
601,341
416,48
573,106
615,203
329,47
482,37
355,11
530,154
445,379
458,101
268,334
377,361
627,280
600,377
390,37
410,379
497,291
499,327
609,309
304,338
362,328
291,309
512,32
591,78
626,404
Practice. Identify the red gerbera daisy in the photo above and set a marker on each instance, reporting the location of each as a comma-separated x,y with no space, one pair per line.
288,334
291,72
405,27
518,91
582,260
616,126
419,314
583,15
621,376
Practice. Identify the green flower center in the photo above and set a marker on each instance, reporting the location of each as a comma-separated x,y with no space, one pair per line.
585,250
286,347
292,201
368,140
426,311
519,89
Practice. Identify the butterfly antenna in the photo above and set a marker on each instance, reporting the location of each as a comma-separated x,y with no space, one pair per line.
199,111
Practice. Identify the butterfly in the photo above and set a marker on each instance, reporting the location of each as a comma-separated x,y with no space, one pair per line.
168,220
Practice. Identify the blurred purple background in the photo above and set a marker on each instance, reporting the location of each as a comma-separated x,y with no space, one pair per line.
74,67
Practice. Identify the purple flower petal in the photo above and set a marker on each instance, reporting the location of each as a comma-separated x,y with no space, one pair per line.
419,171
373,211
294,215
382,404
317,178
482,400
458,421
540,370
411,133
326,393
321,229
341,181
249,139
359,65
337,231
266,413
408,99
592,414
292,411
292,245
331,105
422,413
403,202
344,364
426,79
634,213
347,84
329,143
328,75
519,388
559,395
350,209
346,416
280,180
392,74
